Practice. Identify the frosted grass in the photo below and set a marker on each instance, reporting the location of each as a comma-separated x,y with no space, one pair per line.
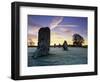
57,56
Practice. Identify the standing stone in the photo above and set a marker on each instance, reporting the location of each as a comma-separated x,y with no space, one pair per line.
59,45
44,35
54,45
43,42
65,45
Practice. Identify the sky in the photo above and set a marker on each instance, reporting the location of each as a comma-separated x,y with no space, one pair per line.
61,27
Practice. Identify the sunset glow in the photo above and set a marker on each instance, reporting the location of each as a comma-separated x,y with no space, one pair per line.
62,28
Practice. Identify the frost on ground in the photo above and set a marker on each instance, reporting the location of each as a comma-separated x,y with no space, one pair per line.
58,56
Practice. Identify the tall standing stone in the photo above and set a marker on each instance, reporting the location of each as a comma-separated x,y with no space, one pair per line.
43,42
44,36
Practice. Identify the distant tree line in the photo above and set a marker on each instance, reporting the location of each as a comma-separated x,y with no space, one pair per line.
77,39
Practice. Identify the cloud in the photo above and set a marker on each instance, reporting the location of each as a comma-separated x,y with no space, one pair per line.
67,29
32,38
55,22
62,30
68,25
34,25
33,29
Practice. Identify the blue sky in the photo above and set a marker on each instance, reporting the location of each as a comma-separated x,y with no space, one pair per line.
62,27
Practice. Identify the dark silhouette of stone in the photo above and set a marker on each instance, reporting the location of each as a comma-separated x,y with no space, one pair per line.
54,45
59,45
65,45
42,50
43,42
44,35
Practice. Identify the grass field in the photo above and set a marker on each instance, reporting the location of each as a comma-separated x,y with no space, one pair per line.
74,56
